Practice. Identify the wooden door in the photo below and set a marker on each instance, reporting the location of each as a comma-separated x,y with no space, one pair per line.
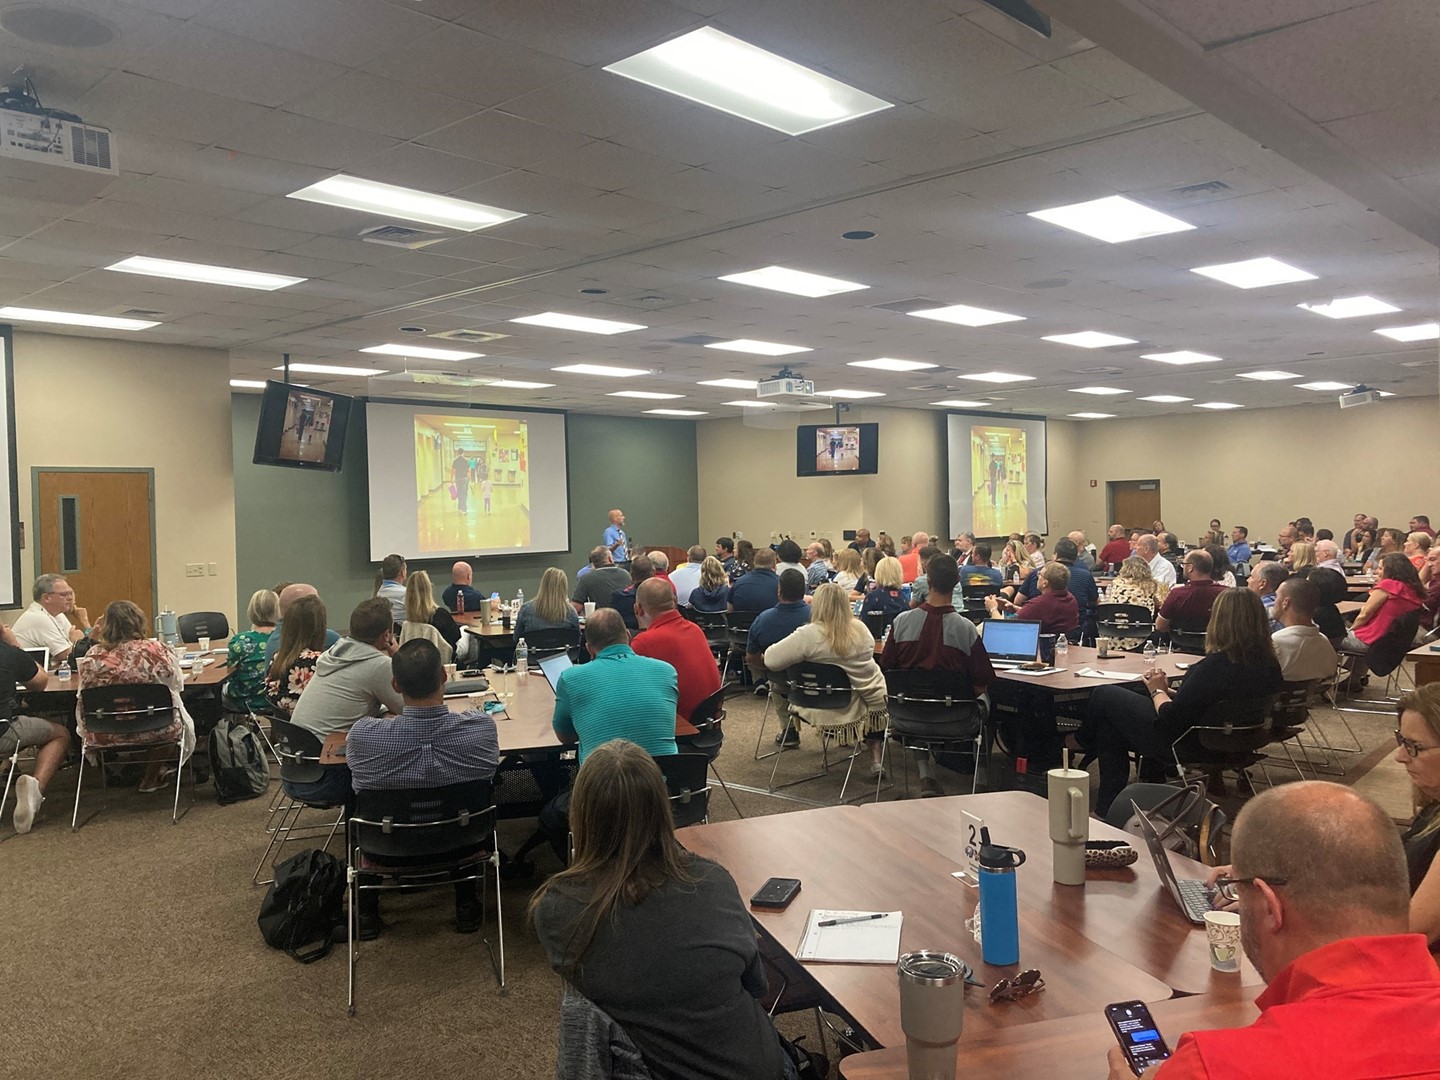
95,528
1134,503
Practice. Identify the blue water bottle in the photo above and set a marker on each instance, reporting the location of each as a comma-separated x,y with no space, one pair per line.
999,911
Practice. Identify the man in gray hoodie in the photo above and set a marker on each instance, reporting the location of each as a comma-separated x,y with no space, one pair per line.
352,680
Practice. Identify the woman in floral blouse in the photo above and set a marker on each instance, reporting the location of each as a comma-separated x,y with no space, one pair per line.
302,640
1136,585
245,689
123,654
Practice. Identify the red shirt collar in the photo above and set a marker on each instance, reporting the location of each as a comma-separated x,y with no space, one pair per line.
1350,963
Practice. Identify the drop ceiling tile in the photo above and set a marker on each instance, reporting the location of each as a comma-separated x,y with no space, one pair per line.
299,216
413,166
136,29
606,165
709,192
302,140
126,102
1225,20
223,168
599,104
583,33
199,58
309,26
529,193
483,247
182,195
62,78
1403,141
497,136
386,106
473,67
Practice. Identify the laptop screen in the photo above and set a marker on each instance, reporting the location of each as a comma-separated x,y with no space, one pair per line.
552,667
1157,852
41,656
1010,639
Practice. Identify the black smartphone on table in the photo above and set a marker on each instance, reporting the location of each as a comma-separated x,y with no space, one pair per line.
776,894
1140,1039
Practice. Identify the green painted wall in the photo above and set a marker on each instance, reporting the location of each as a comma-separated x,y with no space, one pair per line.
296,525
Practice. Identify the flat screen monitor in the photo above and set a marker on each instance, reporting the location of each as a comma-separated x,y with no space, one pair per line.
301,428
837,449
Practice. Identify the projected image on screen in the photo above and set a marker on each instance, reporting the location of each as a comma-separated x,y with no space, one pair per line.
472,483
998,477
837,449
306,435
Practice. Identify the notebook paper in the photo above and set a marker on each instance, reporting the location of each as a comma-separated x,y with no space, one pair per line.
874,941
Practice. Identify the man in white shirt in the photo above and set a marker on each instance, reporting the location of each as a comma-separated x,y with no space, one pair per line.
1327,554
44,625
1161,568
1304,652
686,576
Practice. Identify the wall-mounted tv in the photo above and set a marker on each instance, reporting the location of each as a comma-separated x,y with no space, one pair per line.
837,449
301,428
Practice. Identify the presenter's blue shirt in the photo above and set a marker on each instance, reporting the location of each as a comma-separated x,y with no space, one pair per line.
614,534
1238,553
618,695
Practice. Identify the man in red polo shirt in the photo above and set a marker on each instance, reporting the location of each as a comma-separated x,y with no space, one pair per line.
1116,549
910,561
667,635
1324,899
1187,607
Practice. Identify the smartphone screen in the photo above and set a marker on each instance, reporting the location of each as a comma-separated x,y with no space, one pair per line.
1142,1042
776,893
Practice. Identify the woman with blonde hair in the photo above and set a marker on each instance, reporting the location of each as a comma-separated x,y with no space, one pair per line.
835,636
1302,555
422,610
1014,561
713,593
1134,584
655,937
551,609
121,653
849,571
886,595
245,689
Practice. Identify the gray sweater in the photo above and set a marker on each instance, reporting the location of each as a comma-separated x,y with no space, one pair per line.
351,681
680,972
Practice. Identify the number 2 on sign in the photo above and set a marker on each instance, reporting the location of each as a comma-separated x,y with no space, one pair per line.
970,825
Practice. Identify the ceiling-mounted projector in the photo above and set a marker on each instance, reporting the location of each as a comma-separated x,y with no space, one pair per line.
50,154
785,383
1361,395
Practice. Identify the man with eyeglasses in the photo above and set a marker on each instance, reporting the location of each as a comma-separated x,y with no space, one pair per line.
1324,901
44,624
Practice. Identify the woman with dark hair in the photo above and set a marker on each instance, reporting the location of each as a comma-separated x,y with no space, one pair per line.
1239,665
1417,731
1397,593
1363,545
655,937
1220,567
121,653
302,640
744,559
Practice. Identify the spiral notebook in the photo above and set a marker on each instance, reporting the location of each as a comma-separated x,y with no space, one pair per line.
873,941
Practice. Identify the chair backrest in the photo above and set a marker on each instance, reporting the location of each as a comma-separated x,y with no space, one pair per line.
1237,725
1188,638
424,821
127,708
298,749
877,622
686,778
555,640
979,590
714,623
935,705
1292,706
1389,652
737,627
710,711
818,686
1124,620
197,624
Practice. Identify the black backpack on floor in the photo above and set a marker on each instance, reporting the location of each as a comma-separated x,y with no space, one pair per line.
238,763
304,905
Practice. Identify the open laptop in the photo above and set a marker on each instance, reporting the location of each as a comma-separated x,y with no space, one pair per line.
1010,642
1191,894
552,667
41,656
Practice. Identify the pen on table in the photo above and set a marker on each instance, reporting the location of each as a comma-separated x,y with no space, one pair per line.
854,918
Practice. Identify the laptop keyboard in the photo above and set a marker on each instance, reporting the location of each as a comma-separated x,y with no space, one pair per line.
1196,896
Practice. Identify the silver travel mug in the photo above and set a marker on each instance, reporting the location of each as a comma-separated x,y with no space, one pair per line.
932,1012
1069,791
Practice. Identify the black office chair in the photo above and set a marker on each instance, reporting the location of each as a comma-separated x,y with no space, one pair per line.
737,639
197,624
717,631
934,712
1288,720
128,709
685,779
878,622
706,718
543,643
1230,735
817,686
1188,638
298,750
1124,621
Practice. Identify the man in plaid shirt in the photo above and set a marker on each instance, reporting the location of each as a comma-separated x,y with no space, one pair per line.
424,746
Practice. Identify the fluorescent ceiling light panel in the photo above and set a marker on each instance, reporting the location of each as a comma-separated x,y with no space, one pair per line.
759,348
751,404
1166,399
601,369
794,282
1181,357
1090,339
1350,307
1093,415
585,325
332,369
1254,273
731,384
849,395
998,377
519,384
1114,219
677,412
423,352
731,75
956,403
1419,332
1268,376
247,384
1326,387
648,395
965,315
74,318
352,193
205,275
1217,405
1098,391
886,363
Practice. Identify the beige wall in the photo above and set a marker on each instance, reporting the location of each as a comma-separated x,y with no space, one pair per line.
1315,459
89,402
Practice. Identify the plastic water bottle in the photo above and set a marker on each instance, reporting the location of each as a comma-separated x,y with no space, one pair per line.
999,909
63,674
1150,652
522,658
1062,649
519,600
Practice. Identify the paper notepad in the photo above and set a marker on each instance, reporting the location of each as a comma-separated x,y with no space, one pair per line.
874,941
1096,673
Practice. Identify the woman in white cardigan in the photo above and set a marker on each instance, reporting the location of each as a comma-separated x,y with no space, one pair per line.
835,636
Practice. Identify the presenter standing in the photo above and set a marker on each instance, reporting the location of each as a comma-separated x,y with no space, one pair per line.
460,477
616,540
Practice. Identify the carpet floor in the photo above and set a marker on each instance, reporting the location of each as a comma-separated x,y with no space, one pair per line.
131,948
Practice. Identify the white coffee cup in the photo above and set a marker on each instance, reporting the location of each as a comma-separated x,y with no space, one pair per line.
449,672
589,608
204,644
1222,928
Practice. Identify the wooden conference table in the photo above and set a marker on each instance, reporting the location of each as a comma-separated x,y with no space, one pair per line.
1112,940
1427,664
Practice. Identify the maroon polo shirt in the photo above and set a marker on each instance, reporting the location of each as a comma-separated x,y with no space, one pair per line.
1188,606
1057,613
682,645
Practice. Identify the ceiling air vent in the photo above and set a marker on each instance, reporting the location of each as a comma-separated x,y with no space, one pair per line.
142,313
472,336
402,236
1208,190
915,303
